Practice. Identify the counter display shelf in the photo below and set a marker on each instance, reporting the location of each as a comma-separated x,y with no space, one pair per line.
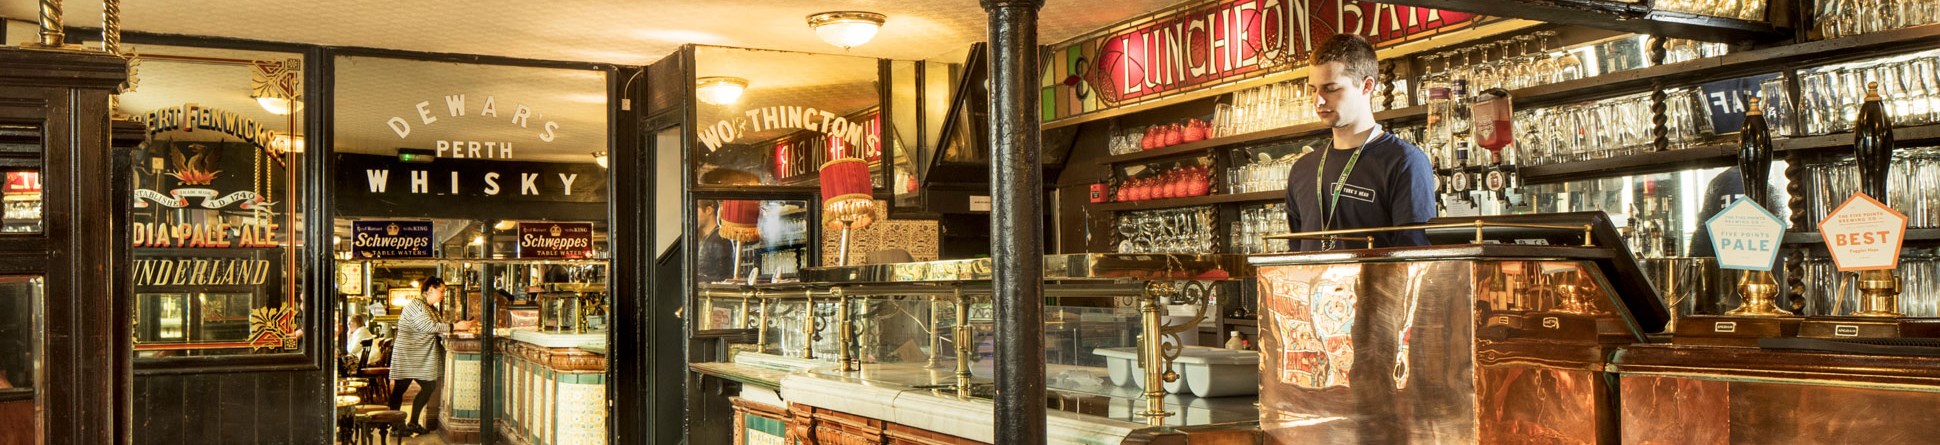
1085,406
909,344
551,391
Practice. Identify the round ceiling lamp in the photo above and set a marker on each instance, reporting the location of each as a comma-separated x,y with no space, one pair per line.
846,29
279,106
599,157
721,90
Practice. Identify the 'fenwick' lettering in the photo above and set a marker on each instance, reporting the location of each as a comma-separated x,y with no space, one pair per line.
191,117
421,182
455,108
201,272
1219,40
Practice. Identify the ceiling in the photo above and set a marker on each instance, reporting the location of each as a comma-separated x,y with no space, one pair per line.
605,31
838,84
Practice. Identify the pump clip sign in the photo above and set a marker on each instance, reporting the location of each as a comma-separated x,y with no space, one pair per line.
1209,43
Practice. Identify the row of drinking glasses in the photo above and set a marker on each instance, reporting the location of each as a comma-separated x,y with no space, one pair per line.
1910,186
1605,129
1525,69
1266,107
1680,50
1830,292
1183,230
1255,223
1753,10
1844,18
1907,85
1261,176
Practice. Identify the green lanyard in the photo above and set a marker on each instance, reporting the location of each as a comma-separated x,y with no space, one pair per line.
1333,205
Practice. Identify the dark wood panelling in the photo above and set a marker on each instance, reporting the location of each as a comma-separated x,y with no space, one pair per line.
234,408
14,432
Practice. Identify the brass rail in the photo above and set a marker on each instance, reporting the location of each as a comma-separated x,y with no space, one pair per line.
1588,239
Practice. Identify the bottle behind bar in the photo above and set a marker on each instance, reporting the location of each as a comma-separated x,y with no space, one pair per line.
1872,143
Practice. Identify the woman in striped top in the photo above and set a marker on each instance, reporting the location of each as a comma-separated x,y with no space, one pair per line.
418,355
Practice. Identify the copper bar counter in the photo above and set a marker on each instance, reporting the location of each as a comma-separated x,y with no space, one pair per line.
1747,395
1447,344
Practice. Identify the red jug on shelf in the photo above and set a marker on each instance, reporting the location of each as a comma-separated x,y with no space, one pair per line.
1154,137
1173,185
1175,134
1197,130
1201,184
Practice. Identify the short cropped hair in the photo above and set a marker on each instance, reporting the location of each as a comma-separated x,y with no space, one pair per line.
1351,51
431,283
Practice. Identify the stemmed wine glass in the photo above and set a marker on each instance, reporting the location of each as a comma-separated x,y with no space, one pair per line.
1525,71
1485,73
1568,67
1545,69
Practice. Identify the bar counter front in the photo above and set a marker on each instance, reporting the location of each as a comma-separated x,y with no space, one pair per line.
1536,329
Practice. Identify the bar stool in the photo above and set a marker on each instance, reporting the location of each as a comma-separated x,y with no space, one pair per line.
387,422
360,385
347,419
361,421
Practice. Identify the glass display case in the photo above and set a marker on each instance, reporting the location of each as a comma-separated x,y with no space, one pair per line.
928,328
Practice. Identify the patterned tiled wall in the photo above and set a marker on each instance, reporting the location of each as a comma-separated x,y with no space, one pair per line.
919,237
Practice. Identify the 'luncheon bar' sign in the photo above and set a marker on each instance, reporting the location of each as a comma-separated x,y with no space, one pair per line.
1213,42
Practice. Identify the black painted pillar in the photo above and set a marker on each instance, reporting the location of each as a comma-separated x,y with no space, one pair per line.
1017,223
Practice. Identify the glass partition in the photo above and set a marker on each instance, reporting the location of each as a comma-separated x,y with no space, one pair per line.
218,199
492,179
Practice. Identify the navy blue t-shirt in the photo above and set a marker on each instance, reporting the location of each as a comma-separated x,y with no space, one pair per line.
1391,185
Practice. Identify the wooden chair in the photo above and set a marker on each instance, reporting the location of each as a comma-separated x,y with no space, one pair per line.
378,374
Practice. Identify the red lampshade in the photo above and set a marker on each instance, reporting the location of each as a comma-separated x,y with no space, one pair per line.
740,220
847,194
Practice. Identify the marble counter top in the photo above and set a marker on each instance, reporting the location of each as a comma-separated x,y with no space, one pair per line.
556,340
1088,408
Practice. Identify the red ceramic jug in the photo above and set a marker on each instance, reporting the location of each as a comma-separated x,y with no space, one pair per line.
1197,130
1175,134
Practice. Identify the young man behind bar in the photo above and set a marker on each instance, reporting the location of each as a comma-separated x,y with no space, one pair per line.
1387,181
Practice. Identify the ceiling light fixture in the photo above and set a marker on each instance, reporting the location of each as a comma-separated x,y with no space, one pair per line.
599,157
721,90
277,105
846,29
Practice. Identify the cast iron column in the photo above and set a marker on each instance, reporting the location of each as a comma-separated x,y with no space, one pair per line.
1017,223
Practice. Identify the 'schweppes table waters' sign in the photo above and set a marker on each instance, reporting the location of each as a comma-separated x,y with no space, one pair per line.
1214,42
555,240
1864,234
390,239
1745,236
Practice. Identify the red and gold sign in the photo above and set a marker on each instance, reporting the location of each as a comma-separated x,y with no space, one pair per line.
1216,42
23,182
846,194
740,220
